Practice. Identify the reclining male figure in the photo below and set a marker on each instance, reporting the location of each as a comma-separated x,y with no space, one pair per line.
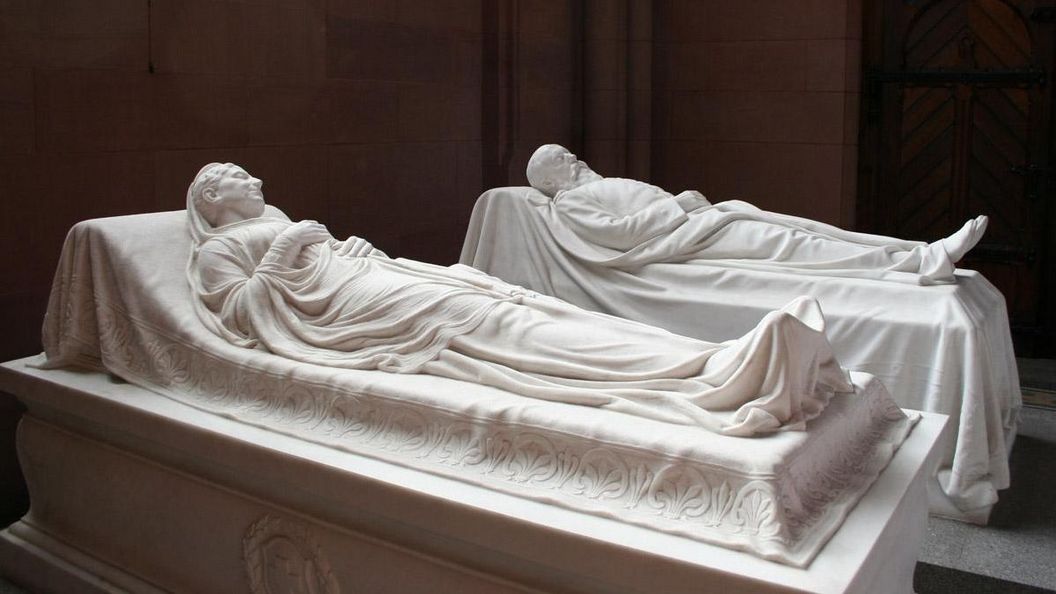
627,215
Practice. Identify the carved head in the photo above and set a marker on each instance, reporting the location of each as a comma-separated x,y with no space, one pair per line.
553,168
225,193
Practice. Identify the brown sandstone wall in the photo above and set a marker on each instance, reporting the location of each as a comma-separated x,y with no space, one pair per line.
389,118
758,100
362,114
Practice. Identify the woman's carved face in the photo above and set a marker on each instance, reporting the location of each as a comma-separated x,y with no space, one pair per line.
239,193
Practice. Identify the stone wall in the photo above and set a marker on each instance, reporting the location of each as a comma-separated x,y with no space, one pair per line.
388,119
758,100
364,115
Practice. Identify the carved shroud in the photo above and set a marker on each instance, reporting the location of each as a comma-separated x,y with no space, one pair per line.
121,303
370,312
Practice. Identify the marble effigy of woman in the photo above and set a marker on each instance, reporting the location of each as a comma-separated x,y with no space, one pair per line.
294,290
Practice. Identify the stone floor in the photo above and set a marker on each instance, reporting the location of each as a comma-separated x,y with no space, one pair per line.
1019,544
1037,373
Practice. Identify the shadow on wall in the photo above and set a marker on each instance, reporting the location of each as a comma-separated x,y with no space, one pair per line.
14,500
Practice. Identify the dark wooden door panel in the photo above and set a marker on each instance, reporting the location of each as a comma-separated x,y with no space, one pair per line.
999,144
957,123
925,172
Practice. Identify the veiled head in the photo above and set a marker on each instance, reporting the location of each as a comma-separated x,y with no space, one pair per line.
553,168
225,193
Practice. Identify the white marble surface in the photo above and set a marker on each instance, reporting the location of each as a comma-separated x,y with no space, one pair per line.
626,224
944,348
164,460
130,313
293,290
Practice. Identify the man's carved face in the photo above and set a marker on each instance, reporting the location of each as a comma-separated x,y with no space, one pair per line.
553,168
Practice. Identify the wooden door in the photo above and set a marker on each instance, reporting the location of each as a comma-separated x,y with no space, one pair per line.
956,122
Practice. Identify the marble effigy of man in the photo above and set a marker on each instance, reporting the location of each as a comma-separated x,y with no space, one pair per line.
295,291
635,223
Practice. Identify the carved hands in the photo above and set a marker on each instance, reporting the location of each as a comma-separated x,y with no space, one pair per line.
287,246
306,233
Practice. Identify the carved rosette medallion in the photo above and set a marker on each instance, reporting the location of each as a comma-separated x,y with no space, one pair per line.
282,556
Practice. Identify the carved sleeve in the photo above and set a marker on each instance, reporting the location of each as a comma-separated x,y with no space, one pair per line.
601,223
224,272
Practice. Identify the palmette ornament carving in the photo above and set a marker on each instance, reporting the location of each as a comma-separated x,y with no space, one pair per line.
778,521
282,557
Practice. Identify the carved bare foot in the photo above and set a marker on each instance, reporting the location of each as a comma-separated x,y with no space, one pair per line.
958,244
981,222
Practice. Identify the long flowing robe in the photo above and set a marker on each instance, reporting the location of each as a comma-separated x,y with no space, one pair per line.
625,223
366,311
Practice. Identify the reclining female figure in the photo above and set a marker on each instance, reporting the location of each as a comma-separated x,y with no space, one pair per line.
294,290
